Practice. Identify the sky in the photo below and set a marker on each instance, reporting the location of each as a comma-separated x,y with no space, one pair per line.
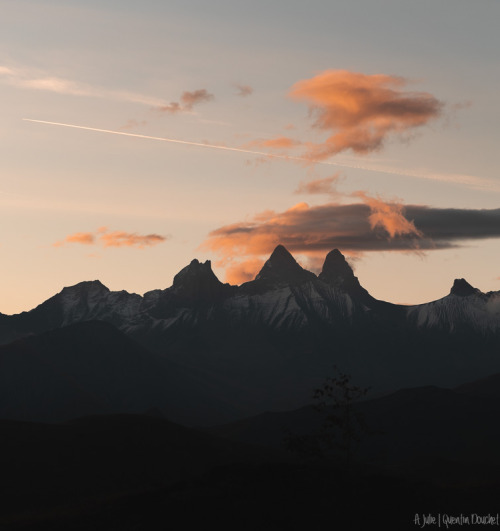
137,136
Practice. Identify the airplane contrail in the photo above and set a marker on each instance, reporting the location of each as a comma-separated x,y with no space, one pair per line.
185,142
215,146
469,181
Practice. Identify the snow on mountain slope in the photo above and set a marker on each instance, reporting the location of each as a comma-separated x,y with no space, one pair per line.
283,297
464,307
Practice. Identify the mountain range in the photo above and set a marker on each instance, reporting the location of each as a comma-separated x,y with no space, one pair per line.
203,352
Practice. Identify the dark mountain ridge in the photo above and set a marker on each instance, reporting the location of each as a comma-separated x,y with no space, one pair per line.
233,351
197,288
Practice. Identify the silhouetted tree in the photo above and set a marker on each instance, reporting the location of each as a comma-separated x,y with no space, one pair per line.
342,423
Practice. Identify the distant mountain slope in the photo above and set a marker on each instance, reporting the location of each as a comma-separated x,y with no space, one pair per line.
415,425
92,368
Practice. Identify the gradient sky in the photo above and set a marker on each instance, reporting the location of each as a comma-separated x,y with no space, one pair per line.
393,105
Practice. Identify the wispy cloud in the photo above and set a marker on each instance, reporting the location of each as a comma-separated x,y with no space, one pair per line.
28,78
361,111
127,239
132,124
325,186
280,143
107,238
243,90
85,238
187,101
190,99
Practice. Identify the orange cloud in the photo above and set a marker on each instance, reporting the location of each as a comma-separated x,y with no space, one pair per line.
127,239
281,142
319,186
113,239
241,272
362,110
307,230
388,216
371,225
85,238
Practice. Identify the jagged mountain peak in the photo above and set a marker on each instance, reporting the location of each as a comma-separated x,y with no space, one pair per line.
336,269
282,267
93,287
337,272
462,288
196,272
198,282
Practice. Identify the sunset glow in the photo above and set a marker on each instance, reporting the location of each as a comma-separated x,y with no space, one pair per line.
194,138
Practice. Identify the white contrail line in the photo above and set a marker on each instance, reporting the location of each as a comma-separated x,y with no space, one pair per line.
185,142
477,183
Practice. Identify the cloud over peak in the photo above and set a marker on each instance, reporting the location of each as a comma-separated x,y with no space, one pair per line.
370,225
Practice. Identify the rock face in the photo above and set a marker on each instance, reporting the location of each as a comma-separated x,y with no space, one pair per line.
282,269
462,288
337,272
269,342
282,296
197,283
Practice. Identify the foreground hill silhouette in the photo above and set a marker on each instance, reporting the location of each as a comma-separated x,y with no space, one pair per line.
49,470
430,451
403,429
